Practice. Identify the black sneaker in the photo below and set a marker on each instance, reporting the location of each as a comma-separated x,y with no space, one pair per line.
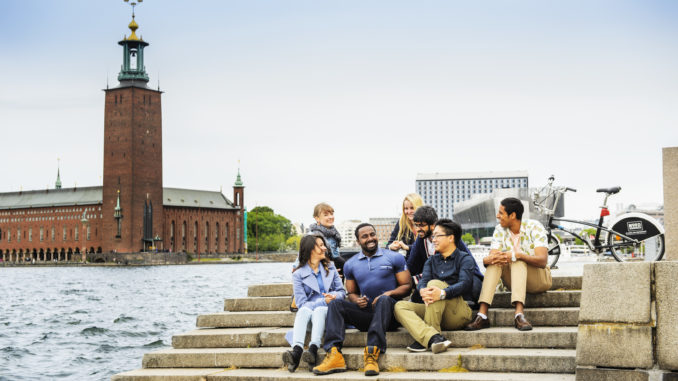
439,344
416,347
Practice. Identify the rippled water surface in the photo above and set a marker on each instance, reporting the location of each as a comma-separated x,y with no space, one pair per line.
88,323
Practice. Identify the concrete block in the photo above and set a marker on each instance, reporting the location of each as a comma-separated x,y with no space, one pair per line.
246,319
219,338
614,345
549,316
616,293
567,298
666,276
269,303
610,374
271,289
171,374
670,164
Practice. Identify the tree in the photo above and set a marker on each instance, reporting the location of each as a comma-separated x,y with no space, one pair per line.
293,242
266,230
585,233
468,239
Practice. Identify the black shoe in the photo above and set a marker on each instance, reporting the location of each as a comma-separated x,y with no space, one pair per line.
416,347
439,344
291,358
310,356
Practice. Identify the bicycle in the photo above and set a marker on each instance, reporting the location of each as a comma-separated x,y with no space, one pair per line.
629,237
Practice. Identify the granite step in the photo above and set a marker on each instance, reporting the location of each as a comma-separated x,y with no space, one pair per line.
530,360
500,317
495,337
285,289
565,298
218,374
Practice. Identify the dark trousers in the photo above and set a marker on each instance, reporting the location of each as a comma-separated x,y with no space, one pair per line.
375,320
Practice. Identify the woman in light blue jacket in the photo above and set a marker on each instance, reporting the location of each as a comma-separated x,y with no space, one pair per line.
315,283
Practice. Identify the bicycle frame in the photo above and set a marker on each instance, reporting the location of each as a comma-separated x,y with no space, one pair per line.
595,246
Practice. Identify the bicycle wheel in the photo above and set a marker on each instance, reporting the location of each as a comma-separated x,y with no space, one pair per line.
649,247
554,250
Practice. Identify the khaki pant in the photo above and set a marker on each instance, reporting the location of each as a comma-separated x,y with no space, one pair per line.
422,321
519,277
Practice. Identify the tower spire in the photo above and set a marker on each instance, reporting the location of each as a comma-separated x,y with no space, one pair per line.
238,180
133,70
57,185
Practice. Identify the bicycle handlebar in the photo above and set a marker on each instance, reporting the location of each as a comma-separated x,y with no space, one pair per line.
570,189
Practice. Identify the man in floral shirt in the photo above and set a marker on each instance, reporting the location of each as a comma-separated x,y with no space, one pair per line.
519,256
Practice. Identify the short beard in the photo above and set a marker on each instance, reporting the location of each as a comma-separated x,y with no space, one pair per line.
368,251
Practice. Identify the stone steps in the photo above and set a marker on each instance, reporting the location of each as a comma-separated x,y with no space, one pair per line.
565,298
500,317
285,289
496,337
246,342
217,374
532,360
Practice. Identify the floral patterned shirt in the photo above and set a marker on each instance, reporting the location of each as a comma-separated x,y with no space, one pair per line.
532,234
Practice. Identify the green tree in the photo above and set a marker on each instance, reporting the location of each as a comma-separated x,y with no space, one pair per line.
266,230
585,233
293,242
468,239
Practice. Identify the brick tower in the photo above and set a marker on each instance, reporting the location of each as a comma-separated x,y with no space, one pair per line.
132,190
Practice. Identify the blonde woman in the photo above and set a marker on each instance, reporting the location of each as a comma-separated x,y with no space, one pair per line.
402,236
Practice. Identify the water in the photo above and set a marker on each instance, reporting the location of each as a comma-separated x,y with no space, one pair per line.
88,323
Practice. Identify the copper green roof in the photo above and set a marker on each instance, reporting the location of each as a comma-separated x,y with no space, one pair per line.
177,197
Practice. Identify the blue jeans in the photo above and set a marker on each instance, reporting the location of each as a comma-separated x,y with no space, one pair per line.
317,319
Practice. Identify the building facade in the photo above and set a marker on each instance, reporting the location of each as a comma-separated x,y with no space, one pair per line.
131,211
443,190
384,227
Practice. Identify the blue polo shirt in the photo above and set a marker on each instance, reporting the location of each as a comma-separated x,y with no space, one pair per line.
375,275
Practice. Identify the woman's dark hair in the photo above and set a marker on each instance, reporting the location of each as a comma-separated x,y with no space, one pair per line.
306,246
450,227
513,205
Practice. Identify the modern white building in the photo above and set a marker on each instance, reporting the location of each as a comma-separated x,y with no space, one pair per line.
443,190
347,231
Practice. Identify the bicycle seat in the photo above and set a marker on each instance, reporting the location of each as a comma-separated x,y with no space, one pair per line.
612,190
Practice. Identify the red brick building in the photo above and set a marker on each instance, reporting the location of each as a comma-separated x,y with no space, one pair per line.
132,211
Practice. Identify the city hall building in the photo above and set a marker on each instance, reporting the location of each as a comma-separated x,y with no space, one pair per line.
131,211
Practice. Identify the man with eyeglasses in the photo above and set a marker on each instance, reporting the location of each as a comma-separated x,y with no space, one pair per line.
422,249
448,279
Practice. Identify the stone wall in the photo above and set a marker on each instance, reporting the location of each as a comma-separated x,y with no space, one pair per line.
628,322
670,163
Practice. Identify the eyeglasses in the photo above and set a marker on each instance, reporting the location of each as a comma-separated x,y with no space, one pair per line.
436,236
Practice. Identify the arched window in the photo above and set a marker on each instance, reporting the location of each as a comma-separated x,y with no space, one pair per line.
172,235
207,237
216,237
195,236
183,236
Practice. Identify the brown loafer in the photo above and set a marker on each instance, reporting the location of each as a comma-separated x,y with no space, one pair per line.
522,324
478,323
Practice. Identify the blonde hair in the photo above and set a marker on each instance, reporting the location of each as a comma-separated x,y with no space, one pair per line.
406,226
321,208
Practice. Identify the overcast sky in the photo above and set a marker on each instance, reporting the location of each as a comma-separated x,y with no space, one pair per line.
346,101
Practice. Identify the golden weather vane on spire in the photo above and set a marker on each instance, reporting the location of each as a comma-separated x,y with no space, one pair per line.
133,3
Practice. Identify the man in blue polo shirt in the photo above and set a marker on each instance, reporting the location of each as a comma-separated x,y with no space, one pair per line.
376,279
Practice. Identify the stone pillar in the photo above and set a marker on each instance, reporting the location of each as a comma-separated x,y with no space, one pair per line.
670,161
628,322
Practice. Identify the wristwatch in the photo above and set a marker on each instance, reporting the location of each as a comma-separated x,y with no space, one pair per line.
442,294
513,256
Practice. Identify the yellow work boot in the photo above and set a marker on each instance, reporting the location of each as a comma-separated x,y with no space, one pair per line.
370,359
333,362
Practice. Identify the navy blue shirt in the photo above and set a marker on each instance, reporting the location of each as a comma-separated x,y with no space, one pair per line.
459,270
376,274
418,255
